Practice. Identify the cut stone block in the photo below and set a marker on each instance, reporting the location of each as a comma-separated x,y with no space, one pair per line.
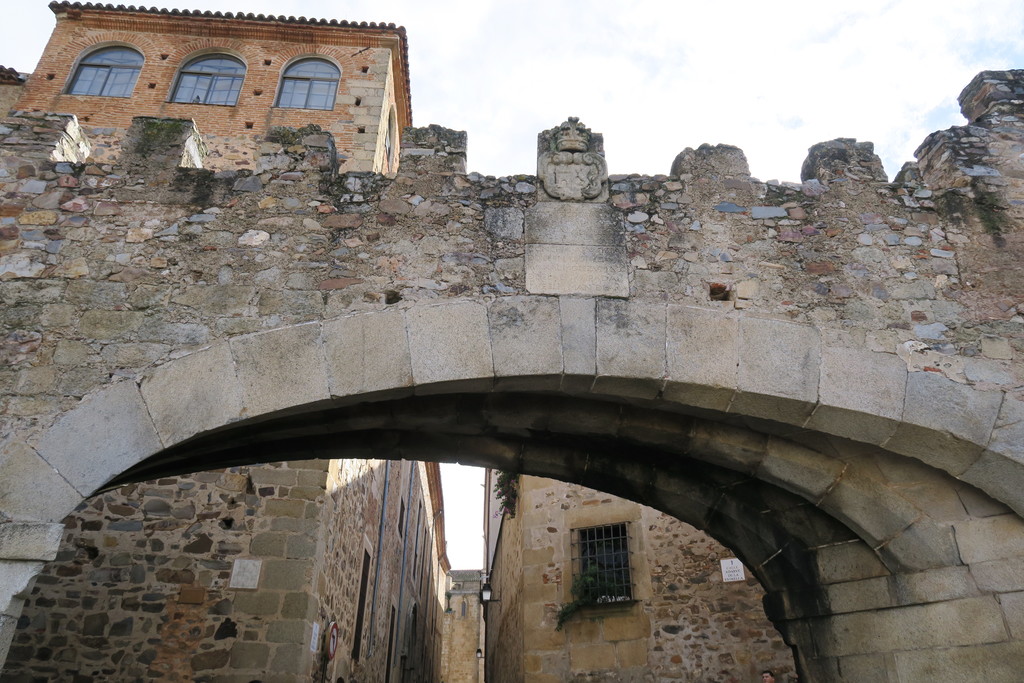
573,223
991,538
778,371
799,470
29,540
193,394
101,438
24,478
281,369
955,623
579,342
945,424
367,353
570,269
526,342
450,343
861,394
630,346
703,357
995,662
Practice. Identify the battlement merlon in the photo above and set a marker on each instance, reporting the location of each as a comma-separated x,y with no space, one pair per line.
992,90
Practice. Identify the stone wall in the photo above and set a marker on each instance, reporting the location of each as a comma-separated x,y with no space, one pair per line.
142,587
127,284
683,622
119,270
463,621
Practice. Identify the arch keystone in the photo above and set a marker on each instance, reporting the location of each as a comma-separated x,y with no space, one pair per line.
703,357
525,335
630,348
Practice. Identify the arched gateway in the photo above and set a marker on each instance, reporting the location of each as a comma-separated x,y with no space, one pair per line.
871,480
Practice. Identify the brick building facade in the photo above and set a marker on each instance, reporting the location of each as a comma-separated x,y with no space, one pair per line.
235,75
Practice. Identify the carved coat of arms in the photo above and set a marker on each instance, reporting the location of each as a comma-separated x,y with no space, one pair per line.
571,164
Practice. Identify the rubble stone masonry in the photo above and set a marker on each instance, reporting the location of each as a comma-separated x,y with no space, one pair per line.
883,317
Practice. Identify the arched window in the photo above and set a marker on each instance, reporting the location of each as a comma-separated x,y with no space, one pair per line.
110,72
212,79
309,84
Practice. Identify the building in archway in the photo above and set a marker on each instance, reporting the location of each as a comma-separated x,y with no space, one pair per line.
587,586
239,574
462,639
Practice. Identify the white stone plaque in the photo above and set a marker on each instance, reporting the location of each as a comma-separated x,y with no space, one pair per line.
732,570
314,641
245,574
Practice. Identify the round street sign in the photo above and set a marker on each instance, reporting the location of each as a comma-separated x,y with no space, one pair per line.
332,640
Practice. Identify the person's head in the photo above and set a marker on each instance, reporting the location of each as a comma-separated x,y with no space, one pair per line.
767,676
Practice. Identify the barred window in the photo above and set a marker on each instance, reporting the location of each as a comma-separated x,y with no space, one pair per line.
600,563
110,72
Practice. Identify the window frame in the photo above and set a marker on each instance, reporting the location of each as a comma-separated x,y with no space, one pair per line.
84,63
586,551
289,80
187,71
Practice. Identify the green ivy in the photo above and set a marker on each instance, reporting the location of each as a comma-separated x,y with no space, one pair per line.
589,587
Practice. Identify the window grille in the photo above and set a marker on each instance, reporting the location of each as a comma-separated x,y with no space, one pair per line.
600,561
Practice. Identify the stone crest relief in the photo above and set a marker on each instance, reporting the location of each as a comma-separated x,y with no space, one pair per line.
570,163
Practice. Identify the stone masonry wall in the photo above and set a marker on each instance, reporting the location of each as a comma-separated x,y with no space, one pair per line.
120,271
462,622
504,632
140,589
684,623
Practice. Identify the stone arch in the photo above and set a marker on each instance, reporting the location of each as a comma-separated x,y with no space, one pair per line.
869,520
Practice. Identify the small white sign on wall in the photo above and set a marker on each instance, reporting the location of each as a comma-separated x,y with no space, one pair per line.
314,642
245,574
732,570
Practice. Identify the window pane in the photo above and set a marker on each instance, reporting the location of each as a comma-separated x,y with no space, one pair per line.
215,65
293,93
115,56
192,88
120,82
313,68
320,95
88,81
224,90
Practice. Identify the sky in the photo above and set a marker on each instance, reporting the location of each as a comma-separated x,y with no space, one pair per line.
655,77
